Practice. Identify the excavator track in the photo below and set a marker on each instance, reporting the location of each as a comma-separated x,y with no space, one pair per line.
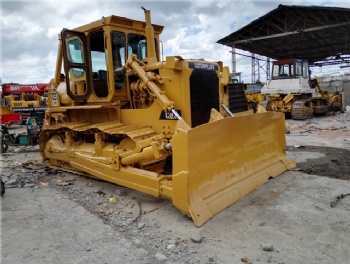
302,109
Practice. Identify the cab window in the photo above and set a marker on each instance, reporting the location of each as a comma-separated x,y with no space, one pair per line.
75,52
298,69
137,45
98,64
305,69
119,58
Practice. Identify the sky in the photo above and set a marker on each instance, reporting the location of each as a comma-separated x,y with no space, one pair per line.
29,30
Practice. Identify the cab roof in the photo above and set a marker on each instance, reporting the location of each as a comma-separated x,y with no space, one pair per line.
118,21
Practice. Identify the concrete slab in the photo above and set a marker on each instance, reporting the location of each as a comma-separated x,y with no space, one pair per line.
44,226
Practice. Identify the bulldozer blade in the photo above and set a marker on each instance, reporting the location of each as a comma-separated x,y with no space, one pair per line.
216,164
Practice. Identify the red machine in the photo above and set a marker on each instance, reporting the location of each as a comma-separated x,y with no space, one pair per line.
7,117
24,100
16,88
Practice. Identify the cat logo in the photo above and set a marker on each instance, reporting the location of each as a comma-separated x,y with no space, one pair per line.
168,115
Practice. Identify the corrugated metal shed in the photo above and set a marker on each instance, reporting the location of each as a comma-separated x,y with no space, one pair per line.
319,34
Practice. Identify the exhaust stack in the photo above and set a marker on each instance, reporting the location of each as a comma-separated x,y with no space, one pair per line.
151,50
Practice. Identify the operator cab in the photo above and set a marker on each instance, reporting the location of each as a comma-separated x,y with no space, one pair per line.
290,69
95,56
289,76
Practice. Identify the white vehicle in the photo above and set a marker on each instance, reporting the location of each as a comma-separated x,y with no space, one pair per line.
291,90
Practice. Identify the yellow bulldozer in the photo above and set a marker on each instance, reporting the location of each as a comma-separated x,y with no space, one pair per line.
160,127
292,91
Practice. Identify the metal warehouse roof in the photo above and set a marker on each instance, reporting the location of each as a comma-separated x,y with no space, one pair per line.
319,34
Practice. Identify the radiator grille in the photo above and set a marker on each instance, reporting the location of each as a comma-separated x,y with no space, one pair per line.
237,100
204,95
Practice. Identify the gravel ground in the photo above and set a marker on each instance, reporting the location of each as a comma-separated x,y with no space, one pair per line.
288,220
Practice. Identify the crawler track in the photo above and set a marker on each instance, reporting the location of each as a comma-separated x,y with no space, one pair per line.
302,109
307,108
111,132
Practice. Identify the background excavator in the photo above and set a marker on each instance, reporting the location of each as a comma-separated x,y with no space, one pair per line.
166,128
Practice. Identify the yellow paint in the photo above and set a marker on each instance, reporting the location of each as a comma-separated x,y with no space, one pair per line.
140,143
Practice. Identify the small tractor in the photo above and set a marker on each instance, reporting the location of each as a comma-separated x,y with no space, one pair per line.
30,138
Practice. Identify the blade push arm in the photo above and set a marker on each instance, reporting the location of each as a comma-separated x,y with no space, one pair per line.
148,81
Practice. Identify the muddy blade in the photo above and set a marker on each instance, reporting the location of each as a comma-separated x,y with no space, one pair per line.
216,164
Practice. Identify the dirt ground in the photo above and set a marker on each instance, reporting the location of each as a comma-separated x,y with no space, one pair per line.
302,216
332,164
